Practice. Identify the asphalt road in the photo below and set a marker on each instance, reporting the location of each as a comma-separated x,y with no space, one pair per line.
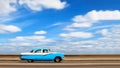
64,64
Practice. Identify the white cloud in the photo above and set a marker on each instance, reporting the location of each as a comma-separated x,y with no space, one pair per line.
77,35
21,41
109,43
55,24
31,39
38,5
9,29
112,39
101,27
104,32
9,6
40,32
77,25
104,15
92,17
20,44
6,7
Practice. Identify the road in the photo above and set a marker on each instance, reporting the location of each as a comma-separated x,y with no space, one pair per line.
64,64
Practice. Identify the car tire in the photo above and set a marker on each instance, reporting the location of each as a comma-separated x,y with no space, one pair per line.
30,61
57,59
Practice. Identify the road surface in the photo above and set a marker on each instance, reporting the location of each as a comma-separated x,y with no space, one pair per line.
64,64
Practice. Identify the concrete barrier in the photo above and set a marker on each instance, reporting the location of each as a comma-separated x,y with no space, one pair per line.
9,57
70,57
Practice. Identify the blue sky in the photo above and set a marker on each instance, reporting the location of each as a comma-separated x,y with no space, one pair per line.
71,27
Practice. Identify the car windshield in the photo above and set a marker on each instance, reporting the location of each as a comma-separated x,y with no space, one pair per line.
38,51
31,51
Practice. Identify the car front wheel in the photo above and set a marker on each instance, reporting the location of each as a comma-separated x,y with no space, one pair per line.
57,59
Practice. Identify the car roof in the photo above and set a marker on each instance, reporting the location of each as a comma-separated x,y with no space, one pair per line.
38,48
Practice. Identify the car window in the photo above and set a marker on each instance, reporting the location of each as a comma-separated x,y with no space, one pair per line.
45,51
38,51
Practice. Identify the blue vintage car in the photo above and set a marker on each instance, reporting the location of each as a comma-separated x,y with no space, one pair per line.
42,54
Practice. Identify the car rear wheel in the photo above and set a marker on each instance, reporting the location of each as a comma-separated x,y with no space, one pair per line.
30,61
57,59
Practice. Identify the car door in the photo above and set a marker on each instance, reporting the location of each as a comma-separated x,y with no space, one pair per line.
38,54
46,54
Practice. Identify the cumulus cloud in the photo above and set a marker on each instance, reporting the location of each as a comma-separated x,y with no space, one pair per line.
7,6
35,5
77,35
77,25
104,45
109,43
38,5
112,39
20,44
92,17
40,32
104,15
31,39
9,29
104,32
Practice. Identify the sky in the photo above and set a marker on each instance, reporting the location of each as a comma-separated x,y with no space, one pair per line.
67,26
